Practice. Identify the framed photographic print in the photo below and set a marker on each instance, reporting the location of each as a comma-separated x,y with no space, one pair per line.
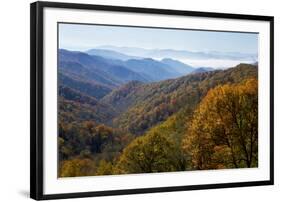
136,100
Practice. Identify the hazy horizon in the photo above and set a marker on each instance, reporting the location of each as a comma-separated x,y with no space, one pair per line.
196,63
81,37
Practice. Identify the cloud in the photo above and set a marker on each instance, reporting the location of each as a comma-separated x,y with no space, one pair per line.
215,63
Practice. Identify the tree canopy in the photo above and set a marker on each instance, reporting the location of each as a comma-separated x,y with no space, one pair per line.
224,129
199,121
150,153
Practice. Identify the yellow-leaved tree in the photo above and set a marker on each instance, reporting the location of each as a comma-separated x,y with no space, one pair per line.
224,129
152,152
77,167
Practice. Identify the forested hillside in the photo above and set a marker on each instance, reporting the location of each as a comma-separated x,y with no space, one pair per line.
150,104
128,122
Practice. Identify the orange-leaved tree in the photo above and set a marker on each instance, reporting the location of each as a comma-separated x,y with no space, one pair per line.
224,129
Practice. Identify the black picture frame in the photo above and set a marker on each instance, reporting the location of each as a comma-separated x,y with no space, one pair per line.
37,99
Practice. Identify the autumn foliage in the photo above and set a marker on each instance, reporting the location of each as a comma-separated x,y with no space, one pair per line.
202,121
224,129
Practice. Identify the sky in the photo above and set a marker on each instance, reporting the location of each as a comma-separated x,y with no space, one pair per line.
84,37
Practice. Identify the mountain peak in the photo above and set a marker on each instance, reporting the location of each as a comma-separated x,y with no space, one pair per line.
178,66
110,54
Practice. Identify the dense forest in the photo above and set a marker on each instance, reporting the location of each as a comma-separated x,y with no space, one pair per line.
118,118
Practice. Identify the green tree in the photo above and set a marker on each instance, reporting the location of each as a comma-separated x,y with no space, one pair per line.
149,153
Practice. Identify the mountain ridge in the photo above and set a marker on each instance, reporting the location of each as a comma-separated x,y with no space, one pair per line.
173,53
158,100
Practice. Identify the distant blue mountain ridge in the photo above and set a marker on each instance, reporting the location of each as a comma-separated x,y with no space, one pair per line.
110,54
144,65
98,72
96,68
178,66
181,54
113,69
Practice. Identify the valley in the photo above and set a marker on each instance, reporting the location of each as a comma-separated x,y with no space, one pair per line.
121,114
